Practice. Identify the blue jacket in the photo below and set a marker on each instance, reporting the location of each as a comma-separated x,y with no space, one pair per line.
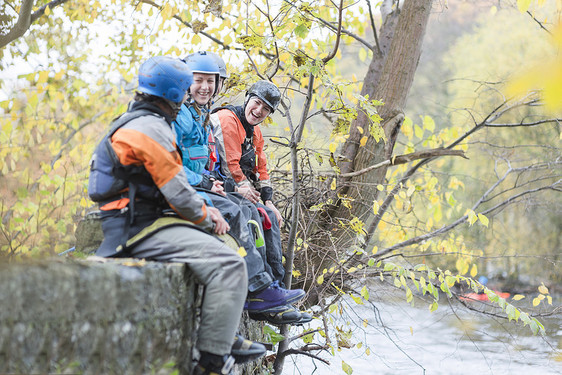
193,141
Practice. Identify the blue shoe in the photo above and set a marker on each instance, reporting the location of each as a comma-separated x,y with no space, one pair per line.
271,297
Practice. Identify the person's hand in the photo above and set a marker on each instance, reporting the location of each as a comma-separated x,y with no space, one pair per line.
248,192
218,188
270,205
221,226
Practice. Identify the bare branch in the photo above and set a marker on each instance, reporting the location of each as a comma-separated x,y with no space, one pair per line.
374,27
463,219
39,12
21,26
338,36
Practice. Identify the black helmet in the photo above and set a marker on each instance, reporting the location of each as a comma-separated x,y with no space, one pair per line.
267,92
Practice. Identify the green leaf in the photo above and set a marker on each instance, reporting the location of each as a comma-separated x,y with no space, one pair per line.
346,368
365,293
409,295
357,299
389,267
272,336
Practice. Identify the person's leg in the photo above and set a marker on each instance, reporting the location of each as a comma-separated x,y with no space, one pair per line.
218,267
258,278
273,246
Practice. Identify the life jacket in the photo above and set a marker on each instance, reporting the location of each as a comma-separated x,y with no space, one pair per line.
109,179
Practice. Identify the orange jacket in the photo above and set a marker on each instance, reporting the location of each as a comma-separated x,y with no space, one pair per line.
233,135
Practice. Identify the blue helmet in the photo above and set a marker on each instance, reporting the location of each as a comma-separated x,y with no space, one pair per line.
201,62
165,77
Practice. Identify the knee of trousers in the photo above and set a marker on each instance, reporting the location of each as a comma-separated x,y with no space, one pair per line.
236,271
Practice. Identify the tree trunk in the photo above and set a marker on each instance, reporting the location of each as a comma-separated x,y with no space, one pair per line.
388,79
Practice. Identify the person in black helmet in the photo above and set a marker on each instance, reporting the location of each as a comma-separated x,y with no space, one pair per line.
240,144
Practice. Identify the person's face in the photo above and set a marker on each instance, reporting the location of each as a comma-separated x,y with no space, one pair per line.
256,110
202,88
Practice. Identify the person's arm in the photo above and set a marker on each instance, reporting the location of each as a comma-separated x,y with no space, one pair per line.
266,190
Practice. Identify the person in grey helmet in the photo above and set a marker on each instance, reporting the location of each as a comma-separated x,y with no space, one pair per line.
192,136
242,159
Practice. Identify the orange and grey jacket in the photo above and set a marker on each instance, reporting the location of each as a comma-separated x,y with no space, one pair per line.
148,141
244,155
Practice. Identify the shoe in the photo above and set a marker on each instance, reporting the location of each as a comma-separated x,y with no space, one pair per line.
245,350
224,366
305,318
272,297
285,314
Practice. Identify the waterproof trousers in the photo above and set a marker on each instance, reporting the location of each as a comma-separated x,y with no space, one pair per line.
258,278
215,265
272,251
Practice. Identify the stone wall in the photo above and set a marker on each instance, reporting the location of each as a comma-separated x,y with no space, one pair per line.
97,317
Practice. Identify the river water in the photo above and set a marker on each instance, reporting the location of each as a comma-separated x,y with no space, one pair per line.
451,340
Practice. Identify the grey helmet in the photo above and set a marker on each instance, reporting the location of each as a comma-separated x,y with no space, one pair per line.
267,92
220,63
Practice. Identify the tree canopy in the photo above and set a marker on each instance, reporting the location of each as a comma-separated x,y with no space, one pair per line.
418,187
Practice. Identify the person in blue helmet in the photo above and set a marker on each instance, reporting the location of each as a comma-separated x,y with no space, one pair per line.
192,131
137,178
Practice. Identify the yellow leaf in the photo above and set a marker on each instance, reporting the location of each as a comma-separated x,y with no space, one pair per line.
332,147
549,299
473,271
523,5
242,252
472,217
518,297
367,351
376,207
483,219
43,75
375,249
411,331
380,187
536,301
47,11
543,289
296,273
333,185
320,279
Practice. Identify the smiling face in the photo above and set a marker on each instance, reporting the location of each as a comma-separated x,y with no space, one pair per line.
202,88
256,110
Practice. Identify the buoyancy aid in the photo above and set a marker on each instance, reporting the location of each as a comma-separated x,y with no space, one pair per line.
109,178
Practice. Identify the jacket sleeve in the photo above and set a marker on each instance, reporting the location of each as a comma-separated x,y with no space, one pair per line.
153,146
233,136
